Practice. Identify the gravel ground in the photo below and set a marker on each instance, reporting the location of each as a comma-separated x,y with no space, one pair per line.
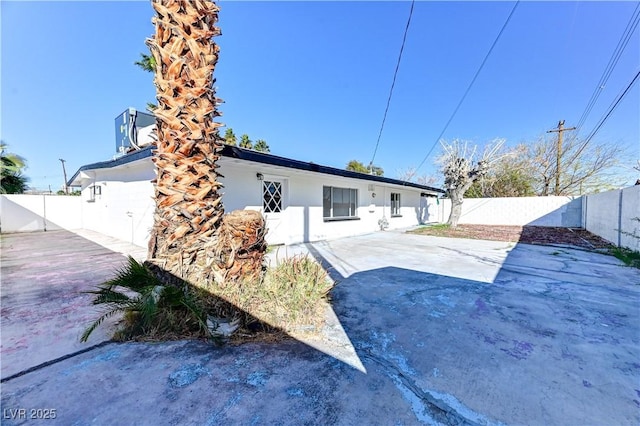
523,234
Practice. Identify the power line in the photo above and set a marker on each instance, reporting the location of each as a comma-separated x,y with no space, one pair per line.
470,85
604,118
393,83
613,61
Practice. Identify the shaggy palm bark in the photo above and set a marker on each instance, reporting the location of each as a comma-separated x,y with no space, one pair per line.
185,239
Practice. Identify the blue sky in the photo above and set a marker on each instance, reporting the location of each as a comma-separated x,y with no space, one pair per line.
312,78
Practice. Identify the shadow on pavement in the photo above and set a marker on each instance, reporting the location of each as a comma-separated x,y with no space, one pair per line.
536,338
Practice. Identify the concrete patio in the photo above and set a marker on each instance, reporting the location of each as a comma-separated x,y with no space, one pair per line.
444,331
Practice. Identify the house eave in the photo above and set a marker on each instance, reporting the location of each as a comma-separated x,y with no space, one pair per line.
235,152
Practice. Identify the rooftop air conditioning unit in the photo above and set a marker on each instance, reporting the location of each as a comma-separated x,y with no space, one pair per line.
128,124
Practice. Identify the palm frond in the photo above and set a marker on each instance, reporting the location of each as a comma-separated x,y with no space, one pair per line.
133,276
108,295
99,321
150,306
148,310
198,314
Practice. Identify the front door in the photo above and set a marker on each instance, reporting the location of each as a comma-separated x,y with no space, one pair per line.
273,206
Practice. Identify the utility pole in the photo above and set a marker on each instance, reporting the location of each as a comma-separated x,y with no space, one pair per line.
64,171
560,129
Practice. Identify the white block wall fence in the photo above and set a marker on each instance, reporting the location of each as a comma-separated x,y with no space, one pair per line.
117,200
125,210
534,211
615,216
30,213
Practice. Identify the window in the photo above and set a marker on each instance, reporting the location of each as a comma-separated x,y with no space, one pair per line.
93,191
271,196
395,204
339,202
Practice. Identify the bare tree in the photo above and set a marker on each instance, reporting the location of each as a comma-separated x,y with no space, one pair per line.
461,167
510,176
410,174
584,167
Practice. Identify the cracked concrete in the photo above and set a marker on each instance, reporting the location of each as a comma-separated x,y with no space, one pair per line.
447,332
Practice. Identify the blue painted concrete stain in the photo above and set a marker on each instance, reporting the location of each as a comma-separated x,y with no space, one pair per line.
637,392
417,405
520,350
255,420
107,356
471,416
480,310
384,339
586,384
295,392
242,360
186,375
402,363
436,372
446,300
258,378
218,417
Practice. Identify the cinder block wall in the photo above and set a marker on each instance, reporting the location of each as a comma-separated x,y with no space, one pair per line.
537,211
30,213
614,215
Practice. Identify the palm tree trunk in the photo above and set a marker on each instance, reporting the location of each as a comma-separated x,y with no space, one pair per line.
190,239
189,206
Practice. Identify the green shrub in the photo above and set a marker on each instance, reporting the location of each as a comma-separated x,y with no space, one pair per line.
151,309
628,256
289,297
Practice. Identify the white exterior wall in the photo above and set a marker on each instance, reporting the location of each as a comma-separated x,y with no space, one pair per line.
612,215
535,211
125,207
302,216
29,213
305,218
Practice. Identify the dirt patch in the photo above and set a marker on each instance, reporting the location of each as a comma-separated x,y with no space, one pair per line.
523,234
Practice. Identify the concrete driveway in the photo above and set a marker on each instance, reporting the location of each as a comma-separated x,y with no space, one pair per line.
444,331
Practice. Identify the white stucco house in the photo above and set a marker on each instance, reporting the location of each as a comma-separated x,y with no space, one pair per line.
301,201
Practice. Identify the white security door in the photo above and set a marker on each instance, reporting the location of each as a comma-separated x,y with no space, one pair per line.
273,206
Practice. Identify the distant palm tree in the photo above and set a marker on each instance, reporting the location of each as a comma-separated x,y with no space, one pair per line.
230,137
245,142
261,145
12,180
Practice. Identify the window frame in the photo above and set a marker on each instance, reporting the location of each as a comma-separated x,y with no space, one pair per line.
93,191
396,205
352,204
279,191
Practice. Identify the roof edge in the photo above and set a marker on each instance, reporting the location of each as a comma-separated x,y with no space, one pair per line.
263,158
